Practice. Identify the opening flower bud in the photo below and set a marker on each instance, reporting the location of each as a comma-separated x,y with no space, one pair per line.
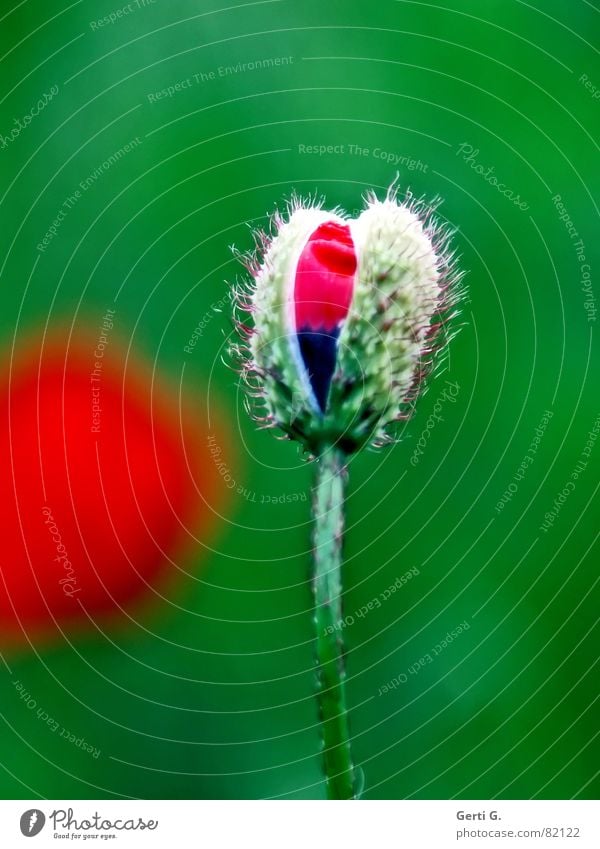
347,315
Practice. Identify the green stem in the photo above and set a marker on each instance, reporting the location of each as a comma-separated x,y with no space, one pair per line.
328,510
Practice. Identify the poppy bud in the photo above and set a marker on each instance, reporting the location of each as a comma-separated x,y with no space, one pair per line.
346,315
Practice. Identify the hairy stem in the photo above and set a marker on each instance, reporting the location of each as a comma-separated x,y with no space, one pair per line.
328,510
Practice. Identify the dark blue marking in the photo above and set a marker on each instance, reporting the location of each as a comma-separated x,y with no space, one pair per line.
319,353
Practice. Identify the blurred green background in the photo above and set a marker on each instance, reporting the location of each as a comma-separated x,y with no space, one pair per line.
211,695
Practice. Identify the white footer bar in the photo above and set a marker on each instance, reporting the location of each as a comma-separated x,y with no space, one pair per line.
302,824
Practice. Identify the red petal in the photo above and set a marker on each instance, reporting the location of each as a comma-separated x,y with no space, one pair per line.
324,281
